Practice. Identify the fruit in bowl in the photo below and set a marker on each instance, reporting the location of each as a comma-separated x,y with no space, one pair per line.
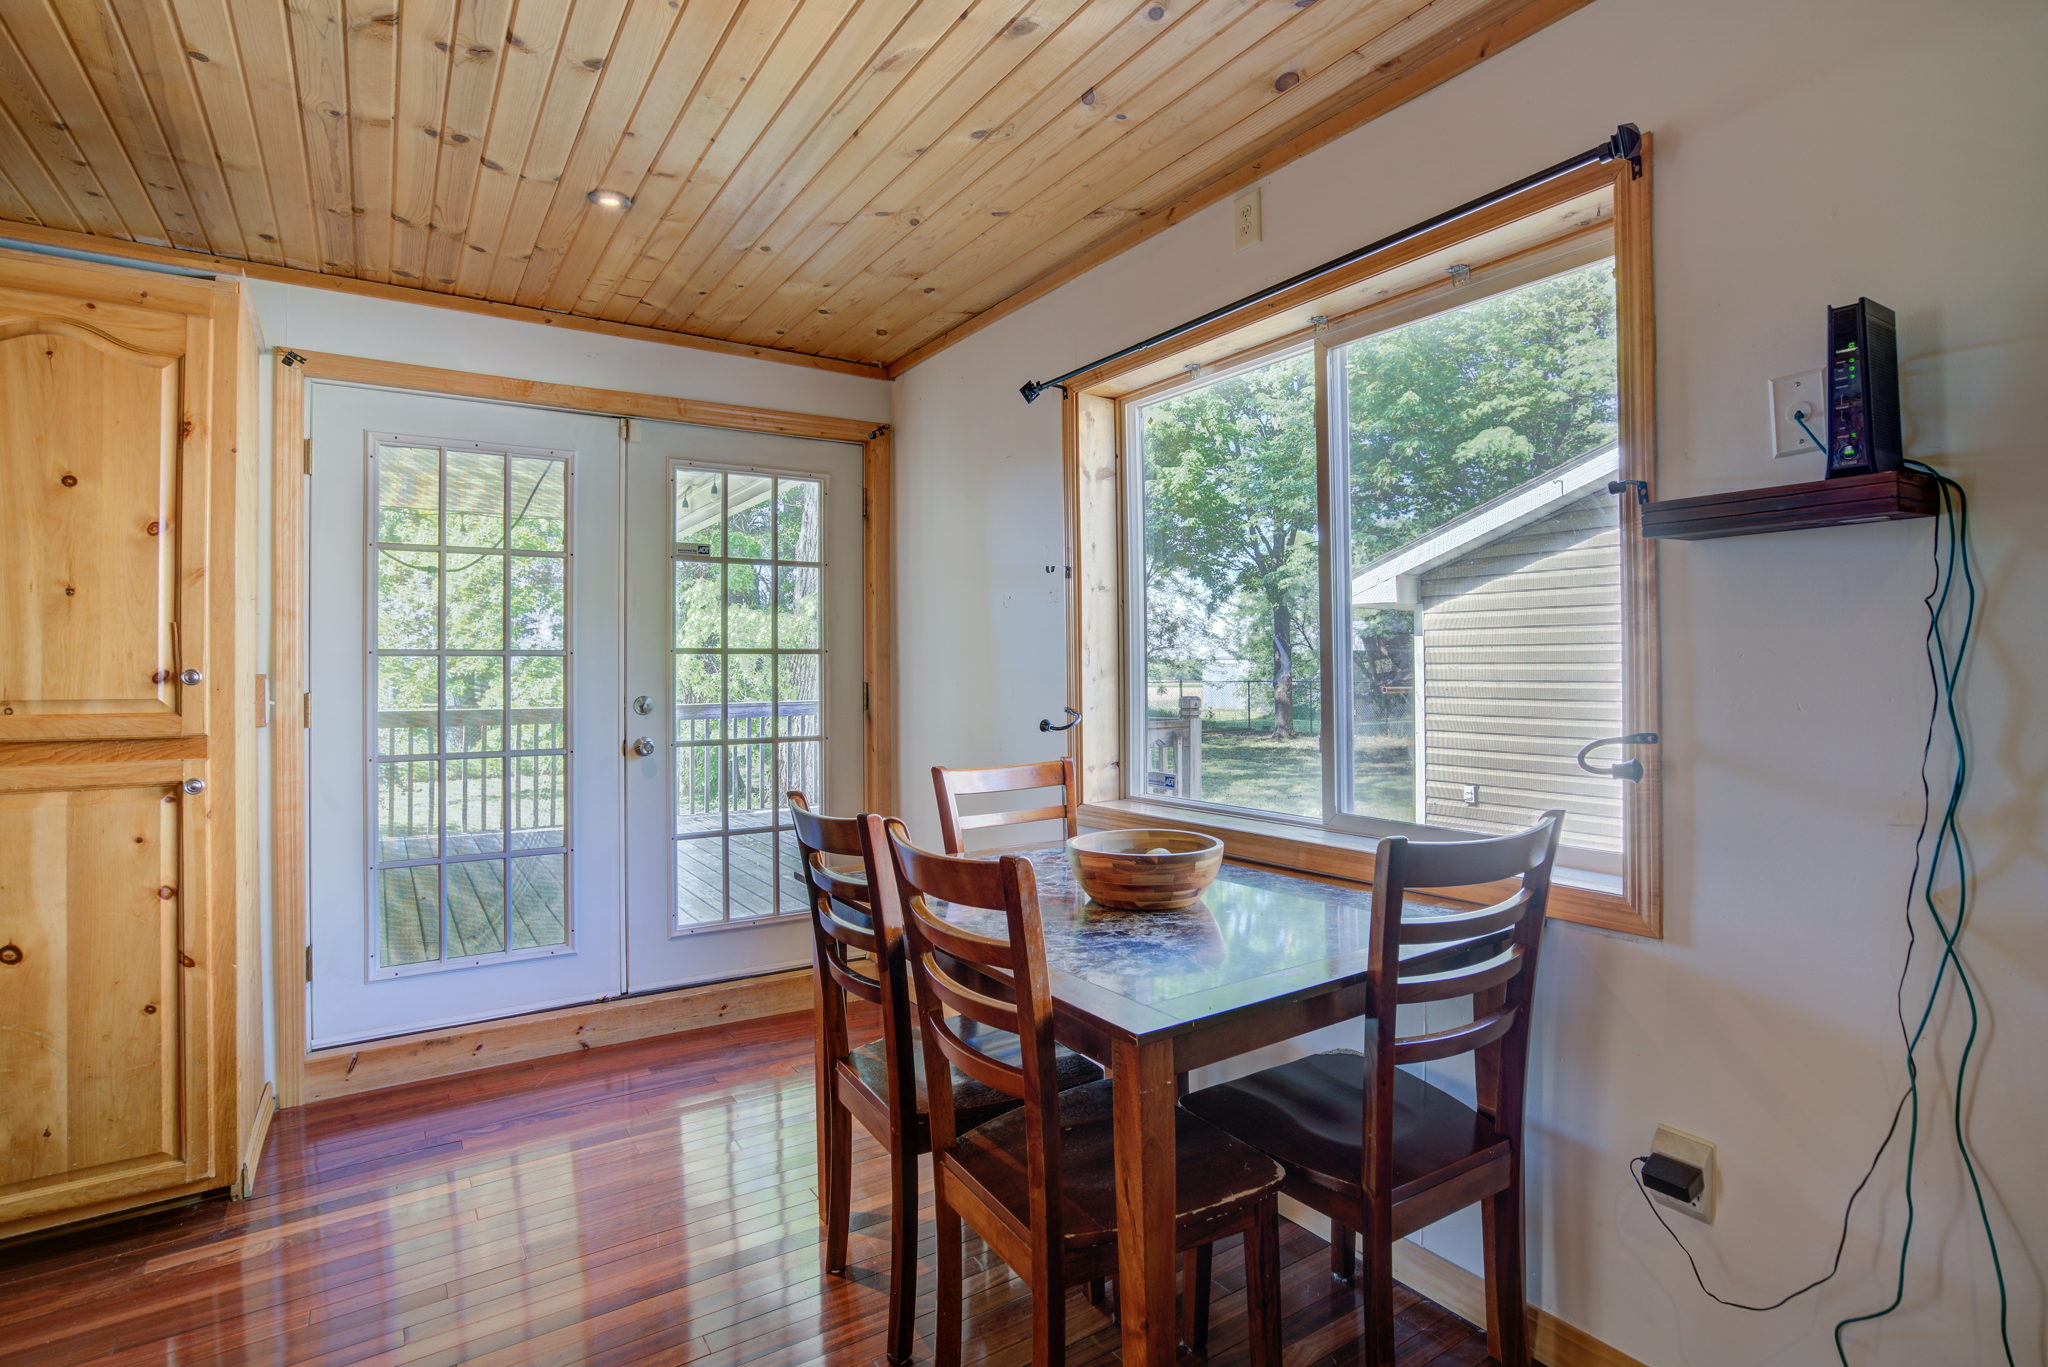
1145,870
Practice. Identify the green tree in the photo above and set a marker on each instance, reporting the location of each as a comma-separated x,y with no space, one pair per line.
1460,407
1230,506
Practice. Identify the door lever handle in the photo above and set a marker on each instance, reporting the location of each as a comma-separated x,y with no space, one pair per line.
1629,769
1045,723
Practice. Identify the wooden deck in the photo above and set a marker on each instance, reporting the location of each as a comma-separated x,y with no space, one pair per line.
646,1203
701,899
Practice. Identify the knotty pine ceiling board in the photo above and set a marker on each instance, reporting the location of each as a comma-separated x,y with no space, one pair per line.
855,179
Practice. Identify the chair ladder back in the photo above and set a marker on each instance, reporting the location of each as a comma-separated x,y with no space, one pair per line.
968,1004
1486,955
836,896
1007,885
1464,980
837,937
952,784
1466,925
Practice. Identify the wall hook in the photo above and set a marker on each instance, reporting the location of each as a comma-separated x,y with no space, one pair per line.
1629,770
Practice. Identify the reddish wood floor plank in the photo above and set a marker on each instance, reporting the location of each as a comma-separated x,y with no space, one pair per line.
645,1203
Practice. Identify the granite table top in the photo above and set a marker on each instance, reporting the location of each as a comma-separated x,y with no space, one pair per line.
1257,935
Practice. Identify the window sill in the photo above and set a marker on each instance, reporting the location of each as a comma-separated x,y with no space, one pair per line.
1348,858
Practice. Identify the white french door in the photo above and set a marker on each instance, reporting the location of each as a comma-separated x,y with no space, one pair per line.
507,606
462,653
743,611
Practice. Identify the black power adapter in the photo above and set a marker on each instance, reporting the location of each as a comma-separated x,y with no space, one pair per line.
1667,1176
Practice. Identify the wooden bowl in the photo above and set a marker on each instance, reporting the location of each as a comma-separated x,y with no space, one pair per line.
1144,870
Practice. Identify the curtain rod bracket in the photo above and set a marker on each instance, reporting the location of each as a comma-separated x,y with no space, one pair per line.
1627,144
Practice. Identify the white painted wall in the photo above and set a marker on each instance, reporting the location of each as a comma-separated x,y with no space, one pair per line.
422,334
1808,151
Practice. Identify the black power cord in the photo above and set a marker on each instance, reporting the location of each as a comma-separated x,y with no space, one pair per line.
1635,1168
1944,664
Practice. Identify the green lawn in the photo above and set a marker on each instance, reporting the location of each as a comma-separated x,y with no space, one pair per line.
1250,769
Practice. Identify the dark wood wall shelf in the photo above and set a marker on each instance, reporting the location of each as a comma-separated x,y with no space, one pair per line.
1887,497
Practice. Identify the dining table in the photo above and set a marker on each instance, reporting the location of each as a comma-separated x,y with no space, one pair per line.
1264,956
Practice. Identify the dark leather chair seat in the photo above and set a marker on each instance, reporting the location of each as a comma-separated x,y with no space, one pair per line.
973,1102
1218,1175
1310,1114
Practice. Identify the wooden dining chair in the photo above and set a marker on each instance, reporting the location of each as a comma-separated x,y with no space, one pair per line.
856,952
953,784
1038,1184
1376,1148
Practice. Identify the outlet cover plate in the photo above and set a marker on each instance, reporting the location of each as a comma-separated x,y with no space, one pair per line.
1689,1148
1247,220
1796,394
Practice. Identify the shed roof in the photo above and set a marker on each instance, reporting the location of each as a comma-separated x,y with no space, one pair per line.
1393,579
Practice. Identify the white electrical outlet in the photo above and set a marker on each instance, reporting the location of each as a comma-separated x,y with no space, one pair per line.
1689,1148
1247,224
1800,395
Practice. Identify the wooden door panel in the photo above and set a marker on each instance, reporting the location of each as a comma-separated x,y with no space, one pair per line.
95,1014
100,572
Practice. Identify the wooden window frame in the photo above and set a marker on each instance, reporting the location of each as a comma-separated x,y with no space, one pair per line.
296,1063
1606,198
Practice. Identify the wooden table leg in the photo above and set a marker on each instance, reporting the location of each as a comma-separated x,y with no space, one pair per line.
1145,1200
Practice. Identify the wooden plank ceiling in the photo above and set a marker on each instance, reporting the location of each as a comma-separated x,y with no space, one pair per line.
857,179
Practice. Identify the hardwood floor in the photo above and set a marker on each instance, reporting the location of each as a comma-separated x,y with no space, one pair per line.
651,1202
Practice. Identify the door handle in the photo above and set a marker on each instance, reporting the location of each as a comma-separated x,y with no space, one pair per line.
194,786
642,746
1629,769
189,677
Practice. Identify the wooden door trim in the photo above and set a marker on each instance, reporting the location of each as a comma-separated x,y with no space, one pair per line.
292,370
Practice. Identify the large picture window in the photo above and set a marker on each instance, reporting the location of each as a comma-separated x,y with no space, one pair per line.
1444,662
1369,576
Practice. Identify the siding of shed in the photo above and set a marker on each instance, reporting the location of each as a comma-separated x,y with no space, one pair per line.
1521,645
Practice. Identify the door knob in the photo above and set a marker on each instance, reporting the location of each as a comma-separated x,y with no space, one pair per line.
194,786
189,677
643,704
642,746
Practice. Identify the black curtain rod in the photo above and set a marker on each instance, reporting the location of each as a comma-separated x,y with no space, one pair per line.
1626,144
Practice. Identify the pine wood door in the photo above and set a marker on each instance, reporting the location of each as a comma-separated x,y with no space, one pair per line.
104,984
102,569
127,557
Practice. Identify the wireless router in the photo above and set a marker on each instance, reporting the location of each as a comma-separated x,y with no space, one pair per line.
1863,390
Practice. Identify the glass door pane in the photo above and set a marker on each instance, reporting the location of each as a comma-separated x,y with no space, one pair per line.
469,787
746,572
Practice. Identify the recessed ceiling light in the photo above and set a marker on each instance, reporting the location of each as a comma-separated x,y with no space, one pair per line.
609,199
